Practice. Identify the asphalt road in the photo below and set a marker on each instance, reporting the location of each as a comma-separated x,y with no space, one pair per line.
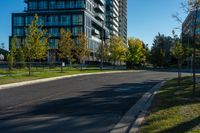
85,104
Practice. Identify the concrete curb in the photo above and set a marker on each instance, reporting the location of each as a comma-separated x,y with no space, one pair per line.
18,84
134,117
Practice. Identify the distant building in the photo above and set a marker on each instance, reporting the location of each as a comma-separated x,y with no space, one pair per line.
188,28
96,18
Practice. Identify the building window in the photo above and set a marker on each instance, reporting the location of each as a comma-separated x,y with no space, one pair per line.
43,5
53,20
77,19
18,21
53,43
32,5
54,32
60,4
71,4
65,20
29,20
52,4
80,4
76,30
18,31
41,20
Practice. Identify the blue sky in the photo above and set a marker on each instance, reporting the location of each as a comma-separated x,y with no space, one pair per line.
145,18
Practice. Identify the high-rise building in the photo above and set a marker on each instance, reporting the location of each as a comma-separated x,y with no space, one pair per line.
95,18
123,19
112,16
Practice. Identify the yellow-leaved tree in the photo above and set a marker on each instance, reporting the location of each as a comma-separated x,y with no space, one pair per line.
65,46
36,42
117,49
81,48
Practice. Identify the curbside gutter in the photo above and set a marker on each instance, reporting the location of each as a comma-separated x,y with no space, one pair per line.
23,83
131,121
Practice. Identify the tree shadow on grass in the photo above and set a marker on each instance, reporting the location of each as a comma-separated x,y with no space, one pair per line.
183,127
172,97
92,112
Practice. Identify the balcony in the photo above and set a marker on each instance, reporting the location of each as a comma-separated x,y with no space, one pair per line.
99,8
102,2
95,32
99,16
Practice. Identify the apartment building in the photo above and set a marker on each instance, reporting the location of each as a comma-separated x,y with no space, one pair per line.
188,27
96,18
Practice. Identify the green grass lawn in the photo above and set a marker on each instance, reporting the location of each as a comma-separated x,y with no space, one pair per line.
19,75
174,110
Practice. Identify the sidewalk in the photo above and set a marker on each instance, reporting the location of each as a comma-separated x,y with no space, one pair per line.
135,116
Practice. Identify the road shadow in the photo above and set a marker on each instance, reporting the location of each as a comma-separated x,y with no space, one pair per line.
94,111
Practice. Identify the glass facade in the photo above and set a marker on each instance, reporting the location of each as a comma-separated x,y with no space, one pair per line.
33,5
43,5
76,31
18,31
18,21
77,19
65,20
67,14
29,19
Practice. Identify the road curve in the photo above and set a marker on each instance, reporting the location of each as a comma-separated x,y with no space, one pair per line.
85,104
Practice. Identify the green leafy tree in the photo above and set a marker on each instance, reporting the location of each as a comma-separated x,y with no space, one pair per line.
65,46
136,54
117,49
36,42
81,48
12,54
161,51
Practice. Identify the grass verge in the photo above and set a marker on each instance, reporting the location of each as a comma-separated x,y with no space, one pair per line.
174,109
22,75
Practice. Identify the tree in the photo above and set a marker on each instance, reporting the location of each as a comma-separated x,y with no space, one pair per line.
192,6
161,51
12,54
20,58
36,42
81,48
106,53
117,49
65,46
136,54
178,53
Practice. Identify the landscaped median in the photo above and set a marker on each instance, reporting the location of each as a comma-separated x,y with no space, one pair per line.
16,76
174,109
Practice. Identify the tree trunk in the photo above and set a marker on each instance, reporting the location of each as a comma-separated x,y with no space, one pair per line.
179,73
81,63
29,69
62,66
